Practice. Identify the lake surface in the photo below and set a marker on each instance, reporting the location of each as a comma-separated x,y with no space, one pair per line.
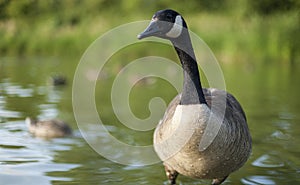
268,92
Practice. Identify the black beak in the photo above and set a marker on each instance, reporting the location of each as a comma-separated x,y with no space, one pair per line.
151,30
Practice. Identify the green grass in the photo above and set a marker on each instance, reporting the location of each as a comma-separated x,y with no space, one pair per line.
232,38
249,38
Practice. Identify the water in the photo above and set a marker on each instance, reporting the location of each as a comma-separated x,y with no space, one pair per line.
268,92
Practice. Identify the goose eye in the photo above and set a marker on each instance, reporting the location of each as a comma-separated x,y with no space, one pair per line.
169,16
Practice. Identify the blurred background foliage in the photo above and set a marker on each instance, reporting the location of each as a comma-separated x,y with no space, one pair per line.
248,29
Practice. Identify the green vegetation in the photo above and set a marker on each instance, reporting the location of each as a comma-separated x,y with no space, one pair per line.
234,30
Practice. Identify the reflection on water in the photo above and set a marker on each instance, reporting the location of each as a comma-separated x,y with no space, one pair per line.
27,160
268,94
268,161
254,180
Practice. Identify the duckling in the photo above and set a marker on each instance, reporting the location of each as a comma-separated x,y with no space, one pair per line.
178,136
48,128
58,80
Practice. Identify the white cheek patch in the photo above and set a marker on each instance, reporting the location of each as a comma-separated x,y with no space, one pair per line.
176,29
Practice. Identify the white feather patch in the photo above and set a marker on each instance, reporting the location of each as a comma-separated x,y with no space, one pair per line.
186,120
176,29
191,114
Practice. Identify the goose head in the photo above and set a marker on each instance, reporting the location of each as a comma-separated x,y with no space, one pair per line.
169,24
166,24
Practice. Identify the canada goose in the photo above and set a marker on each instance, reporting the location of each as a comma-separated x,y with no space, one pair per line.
178,136
48,128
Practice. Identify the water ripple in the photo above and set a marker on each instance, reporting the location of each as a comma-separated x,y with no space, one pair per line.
257,180
28,160
268,161
17,90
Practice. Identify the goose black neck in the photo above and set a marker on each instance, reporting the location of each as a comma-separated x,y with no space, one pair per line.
192,90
